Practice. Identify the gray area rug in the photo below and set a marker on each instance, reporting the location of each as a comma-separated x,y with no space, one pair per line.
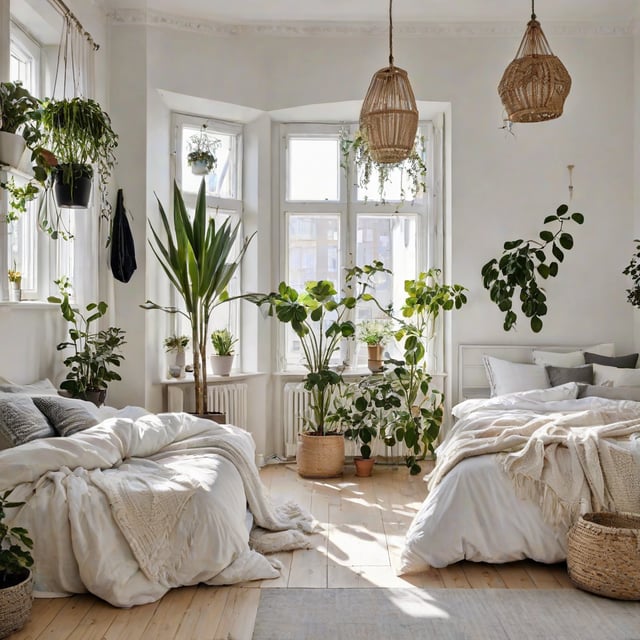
443,614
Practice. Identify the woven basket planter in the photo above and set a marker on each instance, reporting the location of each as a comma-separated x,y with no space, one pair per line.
603,554
15,606
320,456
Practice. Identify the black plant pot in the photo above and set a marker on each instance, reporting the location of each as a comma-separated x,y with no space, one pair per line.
72,185
97,396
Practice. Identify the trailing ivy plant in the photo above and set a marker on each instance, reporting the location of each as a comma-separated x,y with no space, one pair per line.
19,196
633,271
522,263
413,168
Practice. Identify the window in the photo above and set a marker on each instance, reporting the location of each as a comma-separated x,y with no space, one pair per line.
329,223
224,200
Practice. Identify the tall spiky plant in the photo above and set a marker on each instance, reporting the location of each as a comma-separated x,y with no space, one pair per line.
196,259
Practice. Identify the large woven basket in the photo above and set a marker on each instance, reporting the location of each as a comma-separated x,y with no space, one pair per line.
320,456
15,606
603,554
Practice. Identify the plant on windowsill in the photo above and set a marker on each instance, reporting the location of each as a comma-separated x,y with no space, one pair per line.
413,168
196,257
520,265
176,344
399,403
320,319
222,358
95,353
15,281
16,581
18,122
375,334
202,152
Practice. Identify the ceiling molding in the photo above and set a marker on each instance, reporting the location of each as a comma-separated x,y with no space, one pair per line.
150,18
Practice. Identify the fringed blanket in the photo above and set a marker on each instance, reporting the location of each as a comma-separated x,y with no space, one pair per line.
131,508
569,462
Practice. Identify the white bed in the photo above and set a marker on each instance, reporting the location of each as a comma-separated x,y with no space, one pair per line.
498,491
140,503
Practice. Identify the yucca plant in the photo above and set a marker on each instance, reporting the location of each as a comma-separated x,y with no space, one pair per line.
196,257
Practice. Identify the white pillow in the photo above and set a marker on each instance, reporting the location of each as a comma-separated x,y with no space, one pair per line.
571,358
615,376
509,377
39,387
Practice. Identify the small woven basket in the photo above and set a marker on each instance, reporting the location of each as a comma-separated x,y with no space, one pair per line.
15,606
603,554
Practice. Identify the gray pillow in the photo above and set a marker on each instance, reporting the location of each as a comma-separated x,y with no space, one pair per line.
613,393
67,415
622,362
562,375
21,421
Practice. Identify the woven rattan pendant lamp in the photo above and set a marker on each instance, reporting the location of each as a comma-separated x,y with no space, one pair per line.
535,85
389,116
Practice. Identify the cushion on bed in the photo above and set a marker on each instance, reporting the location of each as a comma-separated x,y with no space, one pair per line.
612,393
21,421
67,415
624,362
562,375
40,387
615,377
571,358
509,377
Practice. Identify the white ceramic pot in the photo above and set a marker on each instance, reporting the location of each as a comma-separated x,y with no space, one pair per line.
199,168
221,365
15,294
12,147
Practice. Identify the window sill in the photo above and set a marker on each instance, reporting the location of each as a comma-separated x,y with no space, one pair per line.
211,379
26,305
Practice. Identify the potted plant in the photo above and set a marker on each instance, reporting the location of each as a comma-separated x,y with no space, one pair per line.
413,167
15,281
16,581
222,360
197,258
176,344
18,122
375,334
400,403
202,157
78,133
320,319
95,353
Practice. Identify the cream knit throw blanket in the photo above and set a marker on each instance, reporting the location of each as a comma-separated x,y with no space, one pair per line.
148,509
569,463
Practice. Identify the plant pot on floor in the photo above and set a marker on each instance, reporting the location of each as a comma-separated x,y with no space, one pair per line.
320,456
221,365
15,604
72,185
364,466
12,147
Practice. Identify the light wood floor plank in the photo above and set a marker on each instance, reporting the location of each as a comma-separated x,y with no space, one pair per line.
68,618
515,576
42,614
130,624
168,616
239,615
482,576
454,576
203,616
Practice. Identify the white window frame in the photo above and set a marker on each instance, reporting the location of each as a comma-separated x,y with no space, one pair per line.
232,206
427,210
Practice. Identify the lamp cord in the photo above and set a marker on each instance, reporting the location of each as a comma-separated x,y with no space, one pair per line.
390,35
533,10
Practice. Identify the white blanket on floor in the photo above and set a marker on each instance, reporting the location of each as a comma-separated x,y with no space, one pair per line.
131,508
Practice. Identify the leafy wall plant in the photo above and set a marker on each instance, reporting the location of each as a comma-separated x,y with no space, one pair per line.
633,271
523,263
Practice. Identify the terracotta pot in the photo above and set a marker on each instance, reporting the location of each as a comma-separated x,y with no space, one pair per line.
364,466
376,359
320,456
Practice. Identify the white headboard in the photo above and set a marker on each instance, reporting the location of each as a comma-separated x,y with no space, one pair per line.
472,379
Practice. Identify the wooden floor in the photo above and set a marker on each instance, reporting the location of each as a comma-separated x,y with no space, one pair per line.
363,521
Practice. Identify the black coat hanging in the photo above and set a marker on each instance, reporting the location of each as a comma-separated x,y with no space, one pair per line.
123,251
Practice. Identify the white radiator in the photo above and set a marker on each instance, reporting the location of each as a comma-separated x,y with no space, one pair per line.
296,403
230,399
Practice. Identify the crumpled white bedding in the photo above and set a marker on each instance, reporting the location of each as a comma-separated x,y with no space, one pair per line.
474,510
137,505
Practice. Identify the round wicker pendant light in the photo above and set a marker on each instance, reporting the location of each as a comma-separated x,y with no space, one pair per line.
535,85
389,116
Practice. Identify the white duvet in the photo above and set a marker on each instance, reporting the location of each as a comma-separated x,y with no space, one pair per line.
135,506
515,470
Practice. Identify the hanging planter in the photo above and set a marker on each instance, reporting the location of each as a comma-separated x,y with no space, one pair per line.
202,157
72,185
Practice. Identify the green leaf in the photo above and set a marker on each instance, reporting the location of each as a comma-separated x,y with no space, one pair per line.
549,219
577,217
536,324
566,241
562,209
546,236
557,252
